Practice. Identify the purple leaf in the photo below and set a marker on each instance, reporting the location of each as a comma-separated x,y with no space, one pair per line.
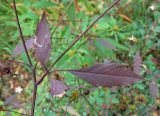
137,63
12,101
19,48
42,40
107,75
153,88
106,44
57,87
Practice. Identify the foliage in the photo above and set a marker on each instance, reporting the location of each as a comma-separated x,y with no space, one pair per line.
128,35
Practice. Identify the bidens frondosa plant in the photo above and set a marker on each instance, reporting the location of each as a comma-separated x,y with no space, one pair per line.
105,75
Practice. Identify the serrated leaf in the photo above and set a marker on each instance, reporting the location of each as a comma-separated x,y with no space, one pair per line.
107,75
57,87
19,48
43,41
137,63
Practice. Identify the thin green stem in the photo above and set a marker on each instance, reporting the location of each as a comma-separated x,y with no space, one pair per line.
86,99
60,20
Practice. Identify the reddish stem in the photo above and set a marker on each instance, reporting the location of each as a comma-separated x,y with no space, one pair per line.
21,34
75,41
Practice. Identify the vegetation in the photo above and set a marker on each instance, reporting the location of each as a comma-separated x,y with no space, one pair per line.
95,57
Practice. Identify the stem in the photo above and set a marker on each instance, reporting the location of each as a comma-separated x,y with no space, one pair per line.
75,41
29,60
20,31
34,99
87,99
60,20
35,89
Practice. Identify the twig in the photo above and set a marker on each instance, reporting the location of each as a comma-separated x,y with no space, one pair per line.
29,60
60,20
20,31
36,65
34,99
35,88
86,99
75,41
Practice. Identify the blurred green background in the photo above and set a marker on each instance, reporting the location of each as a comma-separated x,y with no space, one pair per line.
131,26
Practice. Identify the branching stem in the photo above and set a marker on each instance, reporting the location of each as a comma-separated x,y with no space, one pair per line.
33,68
29,60
76,40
